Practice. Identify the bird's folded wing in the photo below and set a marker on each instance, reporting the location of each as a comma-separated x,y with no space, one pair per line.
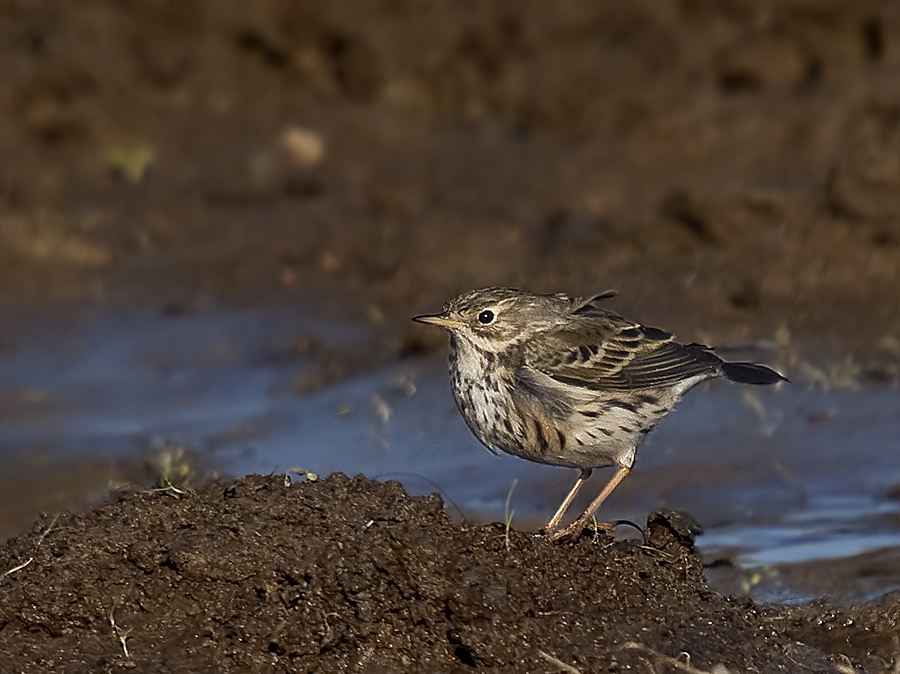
606,352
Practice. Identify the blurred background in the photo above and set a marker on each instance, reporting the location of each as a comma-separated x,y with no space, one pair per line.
216,219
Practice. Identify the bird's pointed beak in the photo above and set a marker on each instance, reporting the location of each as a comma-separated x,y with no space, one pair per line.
439,319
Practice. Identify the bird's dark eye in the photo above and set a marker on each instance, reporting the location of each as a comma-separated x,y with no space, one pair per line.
486,316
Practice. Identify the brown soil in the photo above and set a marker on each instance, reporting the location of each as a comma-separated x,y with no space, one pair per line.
732,166
261,575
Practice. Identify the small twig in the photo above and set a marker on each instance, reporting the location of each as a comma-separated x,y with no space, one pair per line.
36,545
672,662
508,516
16,568
168,489
662,554
119,634
47,531
327,627
559,663
846,665
896,668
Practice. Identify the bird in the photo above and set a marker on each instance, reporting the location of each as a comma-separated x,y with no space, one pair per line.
563,381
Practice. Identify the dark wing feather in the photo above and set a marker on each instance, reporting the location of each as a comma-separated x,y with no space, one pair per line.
599,350
668,364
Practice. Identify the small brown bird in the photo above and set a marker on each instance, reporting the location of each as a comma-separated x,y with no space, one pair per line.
561,381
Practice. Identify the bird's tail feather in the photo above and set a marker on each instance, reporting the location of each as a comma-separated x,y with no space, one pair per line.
750,373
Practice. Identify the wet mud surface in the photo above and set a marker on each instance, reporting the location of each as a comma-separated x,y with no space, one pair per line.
730,166
342,574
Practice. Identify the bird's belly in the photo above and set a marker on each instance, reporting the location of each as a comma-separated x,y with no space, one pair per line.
612,428
603,433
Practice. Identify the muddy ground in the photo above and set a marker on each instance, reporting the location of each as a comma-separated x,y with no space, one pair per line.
262,575
732,167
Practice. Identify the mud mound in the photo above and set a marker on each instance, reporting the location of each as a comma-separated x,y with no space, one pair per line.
354,575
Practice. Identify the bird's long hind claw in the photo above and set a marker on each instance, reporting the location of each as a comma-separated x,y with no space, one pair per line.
574,530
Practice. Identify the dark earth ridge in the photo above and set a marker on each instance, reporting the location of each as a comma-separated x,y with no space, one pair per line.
265,575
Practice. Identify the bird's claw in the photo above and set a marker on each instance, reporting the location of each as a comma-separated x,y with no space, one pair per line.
575,529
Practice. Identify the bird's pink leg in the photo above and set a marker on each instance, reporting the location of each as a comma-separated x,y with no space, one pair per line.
555,520
580,523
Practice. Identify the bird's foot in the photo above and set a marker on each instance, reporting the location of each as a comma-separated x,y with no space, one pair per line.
577,527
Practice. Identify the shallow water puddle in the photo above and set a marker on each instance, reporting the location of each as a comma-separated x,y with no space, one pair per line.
778,478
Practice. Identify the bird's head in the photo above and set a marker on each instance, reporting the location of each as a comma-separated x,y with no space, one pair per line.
494,319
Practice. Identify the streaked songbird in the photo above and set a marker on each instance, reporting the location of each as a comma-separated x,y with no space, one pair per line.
562,381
